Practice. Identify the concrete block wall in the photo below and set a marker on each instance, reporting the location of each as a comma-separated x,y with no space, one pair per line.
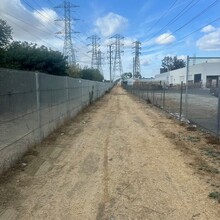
32,105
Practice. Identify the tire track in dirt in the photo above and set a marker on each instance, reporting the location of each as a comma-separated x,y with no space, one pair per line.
117,164
102,206
102,210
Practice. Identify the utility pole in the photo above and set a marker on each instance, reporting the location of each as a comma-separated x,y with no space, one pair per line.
94,62
194,59
110,51
137,71
68,49
117,66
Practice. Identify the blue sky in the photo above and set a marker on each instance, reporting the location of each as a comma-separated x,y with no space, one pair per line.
168,27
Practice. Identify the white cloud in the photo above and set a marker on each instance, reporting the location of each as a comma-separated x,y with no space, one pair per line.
210,41
148,43
33,26
208,28
111,24
182,57
165,38
45,15
128,42
145,62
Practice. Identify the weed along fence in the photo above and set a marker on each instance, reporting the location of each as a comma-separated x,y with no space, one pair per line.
195,103
32,105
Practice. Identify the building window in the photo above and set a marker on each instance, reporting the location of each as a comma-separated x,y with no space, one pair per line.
197,78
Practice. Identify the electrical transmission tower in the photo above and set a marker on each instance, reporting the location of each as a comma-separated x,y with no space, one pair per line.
136,61
68,49
95,45
117,65
110,51
99,62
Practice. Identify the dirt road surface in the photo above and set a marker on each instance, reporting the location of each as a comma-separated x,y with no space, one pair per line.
121,159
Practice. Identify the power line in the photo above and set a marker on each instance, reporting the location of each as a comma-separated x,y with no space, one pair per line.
84,44
179,15
181,39
42,15
68,49
31,25
198,15
85,23
43,31
163,15
51,3
30,32
191,20
199,29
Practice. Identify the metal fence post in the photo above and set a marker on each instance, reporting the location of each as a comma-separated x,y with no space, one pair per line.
80,81
147,93
161,97
181,100
38,103
164,91
218,111
153,95
67,95
187,78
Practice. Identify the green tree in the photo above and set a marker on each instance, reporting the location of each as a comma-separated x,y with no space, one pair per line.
74,71
126,75
29,56
171,63
137,75
5,34
5,38
178,63
91,74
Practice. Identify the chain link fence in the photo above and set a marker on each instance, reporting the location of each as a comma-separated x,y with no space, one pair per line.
202,100
197,101
32,105
167,98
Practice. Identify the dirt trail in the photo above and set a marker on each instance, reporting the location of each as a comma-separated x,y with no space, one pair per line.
117,161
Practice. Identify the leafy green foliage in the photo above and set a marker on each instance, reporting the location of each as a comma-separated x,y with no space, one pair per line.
74,71
86,73
126,75
5,34
171,63
91,74
137,75
215,195
28,56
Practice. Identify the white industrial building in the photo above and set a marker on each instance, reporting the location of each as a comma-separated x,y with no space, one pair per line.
205,73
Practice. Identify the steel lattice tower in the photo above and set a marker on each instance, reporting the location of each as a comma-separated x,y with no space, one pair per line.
136,68
110,51
95,44
99,62
117,65
68,49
